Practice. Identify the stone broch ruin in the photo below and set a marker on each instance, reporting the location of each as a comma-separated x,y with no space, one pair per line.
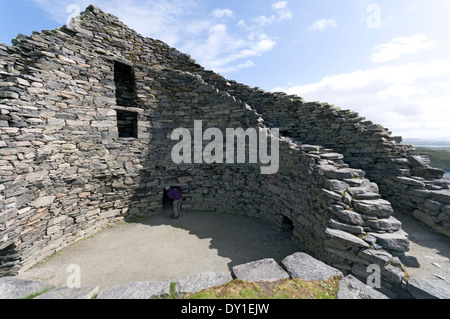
86,114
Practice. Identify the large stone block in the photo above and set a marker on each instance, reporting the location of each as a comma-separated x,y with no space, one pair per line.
262,270
397,241
137,290
305,267
201,281
352,288
379,208
343,240
15,288
43,201
429,289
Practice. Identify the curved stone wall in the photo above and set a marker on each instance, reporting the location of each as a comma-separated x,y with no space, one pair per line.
66,173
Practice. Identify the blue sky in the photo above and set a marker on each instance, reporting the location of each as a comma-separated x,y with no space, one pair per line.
388,60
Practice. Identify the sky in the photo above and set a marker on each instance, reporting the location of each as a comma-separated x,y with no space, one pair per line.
388,60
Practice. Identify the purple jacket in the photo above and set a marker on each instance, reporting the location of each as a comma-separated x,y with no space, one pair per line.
174,194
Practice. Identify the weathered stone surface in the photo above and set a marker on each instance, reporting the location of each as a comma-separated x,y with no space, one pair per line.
352,288
262,270
390,224
201,281
305,267
43,201
397,241
348,216
70,293
345,173
434,173
15,288
343,240
442,195
347,228
419,161
380,208
137,290
429,289
379,257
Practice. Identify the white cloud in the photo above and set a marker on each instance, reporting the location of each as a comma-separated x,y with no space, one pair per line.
282,13
400,46
323,24
282,10
221,13
210,39
412,100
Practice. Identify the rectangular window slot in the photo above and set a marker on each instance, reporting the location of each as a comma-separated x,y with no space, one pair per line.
127,123
125,84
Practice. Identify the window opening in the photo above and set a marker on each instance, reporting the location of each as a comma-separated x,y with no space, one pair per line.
127,123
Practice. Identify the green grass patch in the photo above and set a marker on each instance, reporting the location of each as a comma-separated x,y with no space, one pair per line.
283,289
32,296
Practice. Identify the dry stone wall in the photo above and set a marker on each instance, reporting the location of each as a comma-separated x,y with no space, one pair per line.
80,151
405,178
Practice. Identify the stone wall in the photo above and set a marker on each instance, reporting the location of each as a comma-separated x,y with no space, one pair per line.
66,172
405,178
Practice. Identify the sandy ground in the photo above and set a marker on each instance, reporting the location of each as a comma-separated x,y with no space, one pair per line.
160,248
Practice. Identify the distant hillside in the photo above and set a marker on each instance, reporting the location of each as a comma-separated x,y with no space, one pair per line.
427,143
440,157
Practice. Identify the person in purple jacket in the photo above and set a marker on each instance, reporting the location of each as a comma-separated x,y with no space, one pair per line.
175,195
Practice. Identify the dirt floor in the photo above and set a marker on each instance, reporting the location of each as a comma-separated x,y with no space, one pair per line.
160,248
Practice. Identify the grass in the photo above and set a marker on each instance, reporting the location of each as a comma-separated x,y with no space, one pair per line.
282,289
32,296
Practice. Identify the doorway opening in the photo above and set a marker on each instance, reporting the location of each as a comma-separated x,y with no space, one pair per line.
167,203
287,225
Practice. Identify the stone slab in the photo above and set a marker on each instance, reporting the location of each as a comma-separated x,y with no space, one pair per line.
69,293
379,208
390,224
429,289
137,290
352,288
200,282
343,240
305,267
262,270
14,288
397,241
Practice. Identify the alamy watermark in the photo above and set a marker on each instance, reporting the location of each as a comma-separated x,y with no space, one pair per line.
239,143
74,279
75,11
374,280
374,19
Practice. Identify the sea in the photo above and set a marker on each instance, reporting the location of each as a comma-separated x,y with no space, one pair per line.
447,175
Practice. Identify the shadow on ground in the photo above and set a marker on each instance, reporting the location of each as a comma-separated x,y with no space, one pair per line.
430,251
161,248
